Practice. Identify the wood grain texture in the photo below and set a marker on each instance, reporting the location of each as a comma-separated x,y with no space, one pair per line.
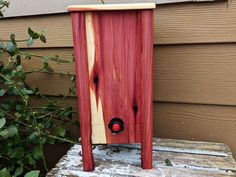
104,7
188,23
111,162
93,49
83,91
184,146
120,76
145,90
116,71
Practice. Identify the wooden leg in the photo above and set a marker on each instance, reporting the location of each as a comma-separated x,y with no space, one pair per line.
146,90
82,73
87,155
146,149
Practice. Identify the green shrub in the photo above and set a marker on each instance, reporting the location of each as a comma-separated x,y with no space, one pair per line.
25,128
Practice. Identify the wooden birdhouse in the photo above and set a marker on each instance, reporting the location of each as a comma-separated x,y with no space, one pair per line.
113,46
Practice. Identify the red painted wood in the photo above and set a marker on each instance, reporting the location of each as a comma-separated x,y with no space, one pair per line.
121,77
78,24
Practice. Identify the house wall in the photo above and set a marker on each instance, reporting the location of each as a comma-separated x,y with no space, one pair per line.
194,67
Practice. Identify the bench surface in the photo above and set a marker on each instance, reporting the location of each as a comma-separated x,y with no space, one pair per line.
177,158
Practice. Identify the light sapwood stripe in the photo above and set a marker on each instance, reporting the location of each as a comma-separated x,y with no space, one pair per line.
98,127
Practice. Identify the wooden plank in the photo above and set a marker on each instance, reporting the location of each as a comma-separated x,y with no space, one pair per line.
112,160
158,172
183,146
109,7
81,62
177,159
187,23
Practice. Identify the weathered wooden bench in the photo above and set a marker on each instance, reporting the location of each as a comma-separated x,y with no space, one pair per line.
177,158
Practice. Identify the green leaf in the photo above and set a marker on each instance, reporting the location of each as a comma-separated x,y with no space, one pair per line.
10,47
27,91
30,32
61,131
33,136
30,41
2,122
1,14
2,46
17,153
5,173
1,2
19,68
32,173
35,36
30,160
168,162
19,171
43,38
2,115
37,153
19,107
9,132
2,92
45,59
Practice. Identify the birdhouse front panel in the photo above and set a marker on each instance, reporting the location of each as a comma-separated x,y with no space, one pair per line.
114,57
115,66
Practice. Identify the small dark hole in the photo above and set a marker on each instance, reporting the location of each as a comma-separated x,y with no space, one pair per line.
135,108
95,79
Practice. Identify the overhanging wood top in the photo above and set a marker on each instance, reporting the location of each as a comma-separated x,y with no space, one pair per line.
104,7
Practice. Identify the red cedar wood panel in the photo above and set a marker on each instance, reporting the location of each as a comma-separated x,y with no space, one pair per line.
83,92
118,73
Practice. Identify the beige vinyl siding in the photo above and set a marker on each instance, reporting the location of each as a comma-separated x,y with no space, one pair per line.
194,67
174,24
36,7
